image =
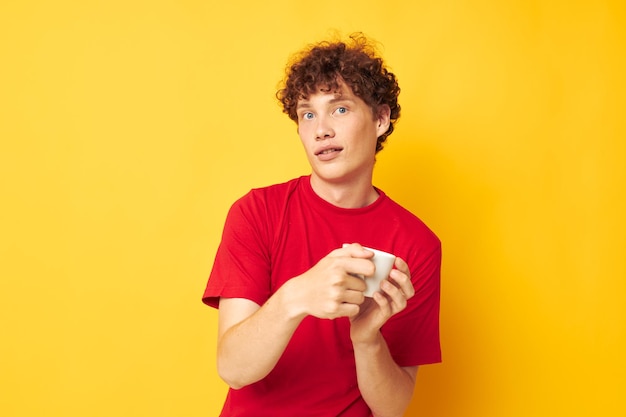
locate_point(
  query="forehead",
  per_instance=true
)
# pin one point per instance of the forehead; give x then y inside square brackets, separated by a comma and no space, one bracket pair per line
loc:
[323,92]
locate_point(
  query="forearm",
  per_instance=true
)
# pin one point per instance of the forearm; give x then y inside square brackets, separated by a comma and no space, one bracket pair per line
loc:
[249,350]
[386,387]
[252,339]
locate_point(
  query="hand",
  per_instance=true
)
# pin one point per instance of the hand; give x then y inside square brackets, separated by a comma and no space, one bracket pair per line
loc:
[329,289]
[396,290]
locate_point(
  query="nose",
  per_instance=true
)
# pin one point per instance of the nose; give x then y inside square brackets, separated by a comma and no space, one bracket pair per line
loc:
[323,129]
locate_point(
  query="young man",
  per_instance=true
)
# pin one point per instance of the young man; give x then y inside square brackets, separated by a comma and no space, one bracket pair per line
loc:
[297,336]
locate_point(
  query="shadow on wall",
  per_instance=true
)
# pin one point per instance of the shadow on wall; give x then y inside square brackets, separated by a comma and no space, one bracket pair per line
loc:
[457,206]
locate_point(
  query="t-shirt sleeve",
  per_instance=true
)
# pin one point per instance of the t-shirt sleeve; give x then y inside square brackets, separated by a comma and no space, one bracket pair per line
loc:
[413,334]
[242,264]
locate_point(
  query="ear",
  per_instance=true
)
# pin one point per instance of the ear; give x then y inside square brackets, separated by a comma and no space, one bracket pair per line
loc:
[383,119]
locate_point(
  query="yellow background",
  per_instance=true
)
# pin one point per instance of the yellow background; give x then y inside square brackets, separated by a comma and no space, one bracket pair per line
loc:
[129,127]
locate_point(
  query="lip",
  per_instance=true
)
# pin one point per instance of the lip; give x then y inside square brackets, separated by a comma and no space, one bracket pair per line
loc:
[328,152]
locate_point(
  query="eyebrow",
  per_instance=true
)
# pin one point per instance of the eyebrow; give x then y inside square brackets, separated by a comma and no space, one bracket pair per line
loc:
[304,104]
[339,99]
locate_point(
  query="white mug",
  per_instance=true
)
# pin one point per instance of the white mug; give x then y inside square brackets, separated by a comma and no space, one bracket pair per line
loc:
[384,263]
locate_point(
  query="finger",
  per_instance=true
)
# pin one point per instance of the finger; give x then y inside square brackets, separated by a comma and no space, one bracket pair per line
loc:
[346,310]
[355,250]
[360,267]
[384,304]
[355,283]
[403,282]
[401,265]
[354,297]
[355,268]
[396,296]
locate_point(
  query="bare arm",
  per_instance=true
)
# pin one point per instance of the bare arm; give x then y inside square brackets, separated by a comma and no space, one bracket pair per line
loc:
[386,387]
[251,338]
[243,327]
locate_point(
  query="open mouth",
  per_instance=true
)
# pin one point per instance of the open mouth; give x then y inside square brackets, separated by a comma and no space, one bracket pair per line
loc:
[327,151]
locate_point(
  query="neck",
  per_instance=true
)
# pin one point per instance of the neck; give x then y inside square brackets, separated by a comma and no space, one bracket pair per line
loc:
[345,194]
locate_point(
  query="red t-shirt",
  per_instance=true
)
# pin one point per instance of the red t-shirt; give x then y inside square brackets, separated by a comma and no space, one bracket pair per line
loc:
[275,233]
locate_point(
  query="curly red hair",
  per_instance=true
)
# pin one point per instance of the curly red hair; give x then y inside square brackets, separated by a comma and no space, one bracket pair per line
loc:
[327,64]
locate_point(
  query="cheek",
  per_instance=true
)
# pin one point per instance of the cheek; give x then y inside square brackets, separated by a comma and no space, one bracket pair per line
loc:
[303,131]
[302,134]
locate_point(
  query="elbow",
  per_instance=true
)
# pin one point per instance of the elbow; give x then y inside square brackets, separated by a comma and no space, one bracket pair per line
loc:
[229,379]
[235,380]
[232,382]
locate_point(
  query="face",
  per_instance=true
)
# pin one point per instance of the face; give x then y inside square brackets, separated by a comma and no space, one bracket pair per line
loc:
[339,133]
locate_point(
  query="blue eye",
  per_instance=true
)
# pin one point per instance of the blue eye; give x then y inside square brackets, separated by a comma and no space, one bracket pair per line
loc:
[342,110]
[307,116]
